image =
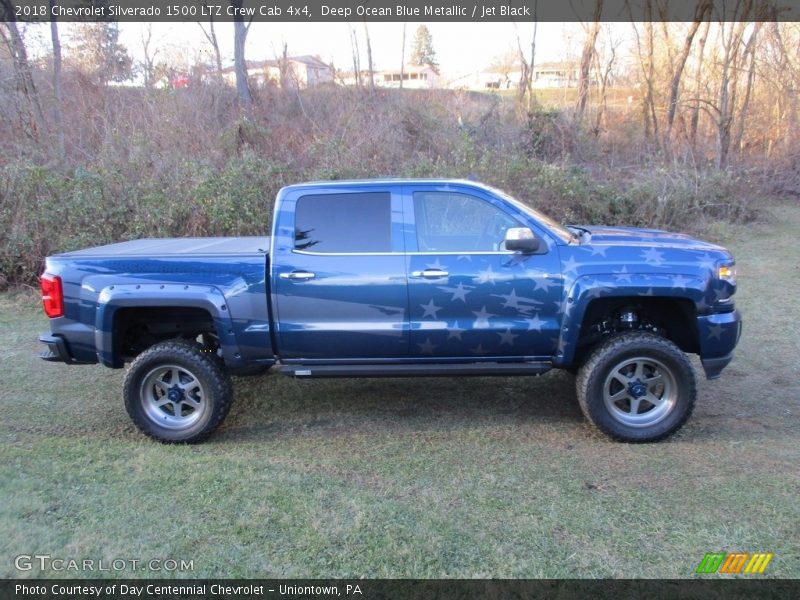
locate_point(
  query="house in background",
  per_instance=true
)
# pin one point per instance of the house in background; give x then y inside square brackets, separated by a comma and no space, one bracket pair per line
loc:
[291,72]
[560,75]
[483,81]
[412,76]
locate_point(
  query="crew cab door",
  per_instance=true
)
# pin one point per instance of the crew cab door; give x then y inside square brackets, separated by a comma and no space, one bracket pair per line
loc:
[338,275]
[468,296]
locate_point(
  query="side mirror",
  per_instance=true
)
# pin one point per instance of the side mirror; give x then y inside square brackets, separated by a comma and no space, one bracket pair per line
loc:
[522,239]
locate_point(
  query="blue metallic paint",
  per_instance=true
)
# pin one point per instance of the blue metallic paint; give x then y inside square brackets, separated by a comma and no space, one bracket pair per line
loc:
[363,308]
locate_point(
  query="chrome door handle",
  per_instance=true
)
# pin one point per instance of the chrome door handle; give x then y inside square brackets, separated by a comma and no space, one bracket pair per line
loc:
[430,273]
[300,275]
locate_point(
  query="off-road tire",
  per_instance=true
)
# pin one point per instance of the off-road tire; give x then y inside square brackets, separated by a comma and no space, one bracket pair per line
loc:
[599,372]
[191,364]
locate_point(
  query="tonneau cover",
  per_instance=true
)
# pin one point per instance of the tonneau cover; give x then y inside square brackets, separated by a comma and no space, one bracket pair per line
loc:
[179,246]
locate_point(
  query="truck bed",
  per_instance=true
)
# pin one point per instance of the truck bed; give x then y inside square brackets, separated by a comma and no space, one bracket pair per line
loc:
[204,246]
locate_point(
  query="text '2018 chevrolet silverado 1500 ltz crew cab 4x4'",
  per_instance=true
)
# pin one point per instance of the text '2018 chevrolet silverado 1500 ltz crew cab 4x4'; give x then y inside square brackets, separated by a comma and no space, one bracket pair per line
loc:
[400,278]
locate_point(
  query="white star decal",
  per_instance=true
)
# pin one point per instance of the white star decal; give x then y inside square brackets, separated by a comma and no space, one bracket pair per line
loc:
[430,309]
[715,332]
[464,257]
[679,282]
[427,347]
[487,276]
[482,318]
[706,262]
[459,293]
[570,266]
[653,257]
[543,283]
[479,350]
[649,292]
[511,300]
[436,265]
[455,332]
[535,324]
[622,275]
[507,337]
[598,250]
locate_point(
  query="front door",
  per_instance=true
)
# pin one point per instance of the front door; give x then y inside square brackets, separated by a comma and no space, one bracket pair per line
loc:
[339,279]
[468,296]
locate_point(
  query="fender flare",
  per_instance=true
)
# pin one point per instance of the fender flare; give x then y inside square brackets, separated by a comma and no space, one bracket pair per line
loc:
[114,297]
[586,288]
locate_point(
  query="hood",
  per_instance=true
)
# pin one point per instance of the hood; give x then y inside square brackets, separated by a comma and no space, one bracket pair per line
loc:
[625,236]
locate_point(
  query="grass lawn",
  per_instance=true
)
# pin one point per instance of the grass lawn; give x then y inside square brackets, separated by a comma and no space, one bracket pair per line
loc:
[489,477]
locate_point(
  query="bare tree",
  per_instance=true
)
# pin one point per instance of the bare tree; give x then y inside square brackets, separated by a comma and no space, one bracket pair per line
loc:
[730,41]
[34,120]
[695,115]
[211,35]
[702,9]
[586,60]
[604,69]
[356,54]
[240,30]
[749,54]
[369,60]
[403,56]
[57,112]
[647,65]
[149,54]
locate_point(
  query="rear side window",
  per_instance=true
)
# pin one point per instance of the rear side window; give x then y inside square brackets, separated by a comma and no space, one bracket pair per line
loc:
[344,223]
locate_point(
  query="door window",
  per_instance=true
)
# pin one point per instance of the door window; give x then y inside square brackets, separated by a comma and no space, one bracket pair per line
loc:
[455,222]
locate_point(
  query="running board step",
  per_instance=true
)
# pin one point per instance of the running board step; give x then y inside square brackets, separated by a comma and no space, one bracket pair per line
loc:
[417,370]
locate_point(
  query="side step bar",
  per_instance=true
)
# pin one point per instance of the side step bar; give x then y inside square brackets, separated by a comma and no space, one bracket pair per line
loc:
[415,370]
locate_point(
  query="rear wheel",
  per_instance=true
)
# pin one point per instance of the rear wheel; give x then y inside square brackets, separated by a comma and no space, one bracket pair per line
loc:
[637,387]
[177,393]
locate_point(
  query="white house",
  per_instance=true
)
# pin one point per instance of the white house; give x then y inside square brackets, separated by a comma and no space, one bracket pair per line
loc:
[412,76]
[294,71]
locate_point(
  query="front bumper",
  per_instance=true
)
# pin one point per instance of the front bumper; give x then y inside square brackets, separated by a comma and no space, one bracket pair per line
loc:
[718,334]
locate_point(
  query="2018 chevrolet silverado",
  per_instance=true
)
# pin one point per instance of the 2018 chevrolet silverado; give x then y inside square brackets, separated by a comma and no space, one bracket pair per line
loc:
[400,278]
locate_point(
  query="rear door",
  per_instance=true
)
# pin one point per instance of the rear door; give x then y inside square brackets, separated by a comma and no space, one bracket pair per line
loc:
[338,275]
[468,296]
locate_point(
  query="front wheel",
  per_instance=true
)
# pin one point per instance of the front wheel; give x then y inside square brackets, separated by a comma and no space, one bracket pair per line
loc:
[176,393]
[637,387]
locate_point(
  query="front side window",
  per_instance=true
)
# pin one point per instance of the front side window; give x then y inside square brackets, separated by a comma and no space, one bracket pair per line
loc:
[456,222]
[344,223]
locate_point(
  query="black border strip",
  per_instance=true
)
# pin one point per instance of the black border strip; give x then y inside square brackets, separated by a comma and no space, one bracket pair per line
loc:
[402,589]
[393,10]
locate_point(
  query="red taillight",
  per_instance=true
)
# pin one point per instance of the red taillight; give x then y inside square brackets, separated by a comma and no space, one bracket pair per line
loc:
[52,296]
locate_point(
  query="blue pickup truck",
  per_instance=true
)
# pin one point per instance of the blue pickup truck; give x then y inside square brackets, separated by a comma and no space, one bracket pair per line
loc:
[394,278]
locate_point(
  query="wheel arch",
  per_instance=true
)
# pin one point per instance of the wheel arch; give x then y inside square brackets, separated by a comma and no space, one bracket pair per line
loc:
[675,308]
[188,304]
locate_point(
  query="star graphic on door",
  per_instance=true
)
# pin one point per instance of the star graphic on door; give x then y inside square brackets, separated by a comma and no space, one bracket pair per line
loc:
[481,318]
[426,347]
[430,309]
[535,324]
[506,337]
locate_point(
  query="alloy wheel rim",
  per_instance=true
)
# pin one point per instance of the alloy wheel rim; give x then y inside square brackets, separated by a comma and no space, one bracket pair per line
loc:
[640,391]
[173,397]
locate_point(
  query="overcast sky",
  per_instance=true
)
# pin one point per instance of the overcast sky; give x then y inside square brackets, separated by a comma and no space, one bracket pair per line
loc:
[460,47]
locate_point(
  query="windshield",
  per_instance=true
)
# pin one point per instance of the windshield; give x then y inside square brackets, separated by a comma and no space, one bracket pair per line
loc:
[554,226]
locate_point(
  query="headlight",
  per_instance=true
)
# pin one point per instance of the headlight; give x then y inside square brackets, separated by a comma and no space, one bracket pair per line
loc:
[727,273]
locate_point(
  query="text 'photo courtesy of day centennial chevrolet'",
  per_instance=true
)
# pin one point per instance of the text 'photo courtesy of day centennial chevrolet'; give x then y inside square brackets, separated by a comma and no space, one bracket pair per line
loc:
[400,278]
